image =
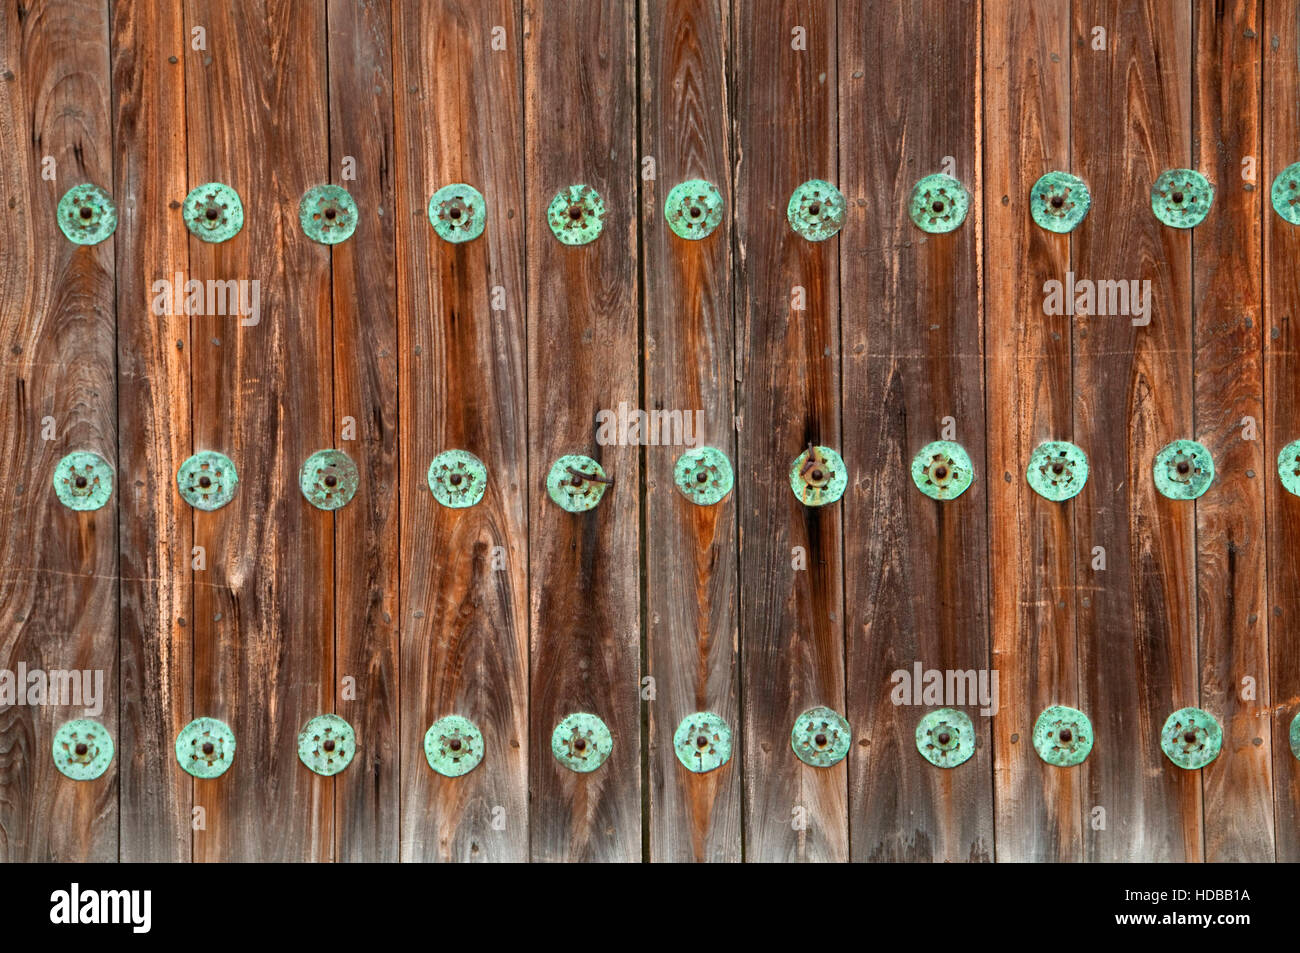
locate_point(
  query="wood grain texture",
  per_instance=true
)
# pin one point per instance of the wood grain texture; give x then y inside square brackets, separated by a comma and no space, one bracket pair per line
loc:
[1281,106]
[1227,302]
[1027,49]
[788,369]
[58,590]
[918,590]
[153,358]
[1131,108]
[580,110]
[262,624]
[366,580]
[464,621]
[691,580]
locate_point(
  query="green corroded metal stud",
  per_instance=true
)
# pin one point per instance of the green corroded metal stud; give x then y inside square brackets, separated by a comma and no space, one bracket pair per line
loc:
[575,214]
[83,749]
[1057,470]
[816,210]
[205,748]
[87,214]
[942,470]
[693,209]
[1063,736]
[702,742]
[939,203]
[328,214]
[1181,198]
[207,480]
[1295,736]
[576,483]
[820,737]
[328,479]
[1191,738]
[946,737]
[1183,470]
[1059,201]
[581,742]
[83,481]
[326,744]
[1288,467]
[1286,193]
[213,212]
[458,212]
[703,475]
[453,746]
[457,478]
[818,476]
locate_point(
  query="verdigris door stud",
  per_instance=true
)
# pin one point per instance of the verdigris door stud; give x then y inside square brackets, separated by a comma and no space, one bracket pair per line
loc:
[1057,470]
[457,478]
[1181,198]
[702,742]
[581,742]
[1288,467]
[703,475]
[818,476]
[693,209]
[1063,736]
[458,213]
[946,737]
[1059,201]
[453,746]
[327,214]
[1191,738]
[1183,470]
[942,470]
[1286,194]
[213,212]
[326,744]
[87,214]
[816,210]
[207,480]
[820,737]
[576,483]
[1294,736]
[328,479]
[939,203]
[576,215]
[83,481]
[205,748]
[83,749]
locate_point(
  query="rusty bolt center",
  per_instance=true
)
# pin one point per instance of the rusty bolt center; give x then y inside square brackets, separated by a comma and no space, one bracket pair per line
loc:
[328,745]
[701,742]
[1057,201]
[81,482]
[1189,736]
[941,471]
[580,745]
[702,477]
[1184,466]
[454,744]
[455,479]
[818,475]
[1178,196]
[211,214]
[944,737]
[937,206]
[208,747]
[331,213]
[331,480]
[81,749]
[205,482]
[575,212]
[1058,468]
[86,212]
[820,741]
[815,208]
[1067,735]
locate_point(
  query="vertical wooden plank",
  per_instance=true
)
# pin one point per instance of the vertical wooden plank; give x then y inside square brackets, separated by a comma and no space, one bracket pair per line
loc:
[262,394]
[918,592]
[791,623]
[1230,539]
[464,571]
[1031,545]
[153,422]
[691,581]
[58,591]
[580,111]
[1133,395]
[1281,109]
[365,389]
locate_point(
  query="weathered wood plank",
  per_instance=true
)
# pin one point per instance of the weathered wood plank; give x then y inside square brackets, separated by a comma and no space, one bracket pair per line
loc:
[58,590]
[910,85]
[464,571]
[262,625]
[365,425]
[1227,268]
[153,349]
[580,111]
[1131,105]
[791,622]
[1027,50]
